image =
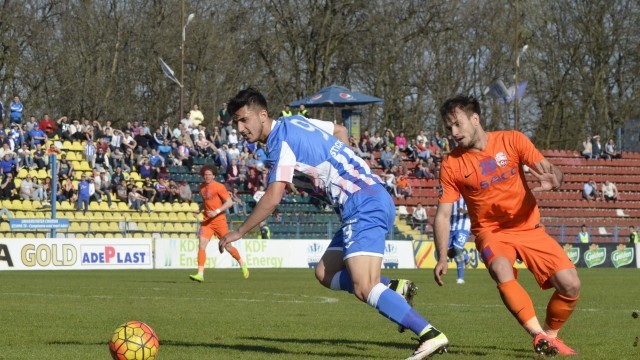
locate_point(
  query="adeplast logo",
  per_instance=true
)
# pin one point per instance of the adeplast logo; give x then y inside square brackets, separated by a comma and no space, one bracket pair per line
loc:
[115,254]
[390,259]
[622,256]
[314,254]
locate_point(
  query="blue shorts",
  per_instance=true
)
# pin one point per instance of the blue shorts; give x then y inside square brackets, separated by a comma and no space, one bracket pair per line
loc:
[457,239]
[367,217]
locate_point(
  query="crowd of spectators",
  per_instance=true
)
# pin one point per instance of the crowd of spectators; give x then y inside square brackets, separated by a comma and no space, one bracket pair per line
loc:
[593,149]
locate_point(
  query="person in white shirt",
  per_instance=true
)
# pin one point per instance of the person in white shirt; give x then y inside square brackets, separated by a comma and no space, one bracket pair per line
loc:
[233,137]
[609,191]
[419,216]
[196,115]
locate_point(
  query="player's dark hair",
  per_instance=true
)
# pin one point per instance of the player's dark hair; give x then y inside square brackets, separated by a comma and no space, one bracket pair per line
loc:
[209,167]
[247,97]
[466,103]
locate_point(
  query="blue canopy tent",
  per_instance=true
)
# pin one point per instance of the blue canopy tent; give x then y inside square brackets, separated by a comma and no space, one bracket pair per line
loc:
[338,96]
[335,95]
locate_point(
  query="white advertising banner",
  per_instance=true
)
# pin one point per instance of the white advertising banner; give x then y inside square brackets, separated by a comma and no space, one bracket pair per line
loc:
[258,253]
[75,254]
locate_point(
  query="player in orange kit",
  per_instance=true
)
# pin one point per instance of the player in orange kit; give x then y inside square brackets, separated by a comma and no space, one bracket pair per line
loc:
[215,201]
[486,168]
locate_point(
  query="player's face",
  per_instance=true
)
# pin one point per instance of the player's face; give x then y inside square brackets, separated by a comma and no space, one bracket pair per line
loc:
[208,176]
[463,128]
[251,123]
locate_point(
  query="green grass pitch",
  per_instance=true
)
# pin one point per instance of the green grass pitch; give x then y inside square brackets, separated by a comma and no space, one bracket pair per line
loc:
[286,314]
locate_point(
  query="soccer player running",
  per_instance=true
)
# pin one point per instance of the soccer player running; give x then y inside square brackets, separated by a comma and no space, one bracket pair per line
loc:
[215,201]
[459,234]
[316,149]
[486,169]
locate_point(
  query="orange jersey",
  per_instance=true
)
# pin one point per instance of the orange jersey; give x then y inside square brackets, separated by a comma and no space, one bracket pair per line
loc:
[213,195]
[493,183]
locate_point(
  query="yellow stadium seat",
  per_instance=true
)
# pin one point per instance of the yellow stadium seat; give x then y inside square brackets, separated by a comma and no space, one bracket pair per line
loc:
[137,235]
[4,226]
[77,146]
[122,206]
[154,227]
[65,206]
[168,227]
[135,176]
[154,216]
[41,235]
[42,173]
[33,173]
[22,173]
[142,226]
[17,183]
[103,206]
[94,206]
[193,207]
[66,145]
[71,156]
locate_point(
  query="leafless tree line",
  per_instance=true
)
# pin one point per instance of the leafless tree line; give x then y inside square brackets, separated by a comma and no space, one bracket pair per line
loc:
[98,59]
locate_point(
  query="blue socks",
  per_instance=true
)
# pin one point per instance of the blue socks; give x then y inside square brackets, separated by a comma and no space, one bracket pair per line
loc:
[388,303]
[393,306]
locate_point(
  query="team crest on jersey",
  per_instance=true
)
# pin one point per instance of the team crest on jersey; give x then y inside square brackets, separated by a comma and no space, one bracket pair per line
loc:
[501,159]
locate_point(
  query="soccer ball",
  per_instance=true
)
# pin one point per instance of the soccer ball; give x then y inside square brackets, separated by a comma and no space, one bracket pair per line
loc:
[134,340]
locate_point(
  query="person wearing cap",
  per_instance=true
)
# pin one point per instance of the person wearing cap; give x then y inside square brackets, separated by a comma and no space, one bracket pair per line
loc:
[128,142]
[84,194]
[596,147]
[63,128]
[37,135]
[74,130]
[15,135]
[233,137]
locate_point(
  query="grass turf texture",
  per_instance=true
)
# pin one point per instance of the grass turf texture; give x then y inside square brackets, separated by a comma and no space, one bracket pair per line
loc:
[285,314]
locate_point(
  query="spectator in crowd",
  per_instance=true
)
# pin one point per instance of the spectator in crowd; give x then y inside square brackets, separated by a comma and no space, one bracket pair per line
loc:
[8,189]
[422,139]
[389,138]
[5,149]
[376,141]
[65,167]
[136,199]
[196,115]
[216,140]
[103,188]
[3,112]
[583,236]
[254,179]
[116,140]
[439,140]
[419,217]
[258,194]
[165,130]
[8,165]
[185,153]
[163,193]
[590,190]
[265,231]
[84,194]
[25,157]
[587,148]
[37,136]
[435,151]
[389,179]
[48,125]
[15,111]
[67,190]
[596,147]
[232,138]
[145,170]
[26,188]
[128,142]
[62,126]
[40,157]
[225,123]
[401,141]
[403,189]
[164,150]
[16,135]
[158,139]
[302,111]
[102,161]
[90,153]
[177,132]
[387,158]
[610,151]
[633,235]
[4,140]
[148,190]
[239,206]
[423,171]
[47,191]
[609,191]
[129,160]
[184,192]
[122,192]
[287,111]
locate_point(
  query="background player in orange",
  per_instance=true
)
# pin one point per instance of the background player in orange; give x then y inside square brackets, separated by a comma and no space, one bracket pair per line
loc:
[215,201]
[486,168]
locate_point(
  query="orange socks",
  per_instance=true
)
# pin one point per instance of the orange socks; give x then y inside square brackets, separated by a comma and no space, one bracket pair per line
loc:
[517,300]
[202,258]
[559,309]
[236,255]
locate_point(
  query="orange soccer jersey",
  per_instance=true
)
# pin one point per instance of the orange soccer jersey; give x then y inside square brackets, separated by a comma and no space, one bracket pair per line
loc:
[493,183]
[213,195]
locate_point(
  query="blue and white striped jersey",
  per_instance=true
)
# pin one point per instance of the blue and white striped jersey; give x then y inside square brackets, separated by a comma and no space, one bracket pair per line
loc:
[460,220]
[301,146]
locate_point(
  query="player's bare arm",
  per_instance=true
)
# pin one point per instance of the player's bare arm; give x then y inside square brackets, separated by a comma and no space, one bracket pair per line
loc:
[549,175]
[441,231]
[340,132]
[263,209]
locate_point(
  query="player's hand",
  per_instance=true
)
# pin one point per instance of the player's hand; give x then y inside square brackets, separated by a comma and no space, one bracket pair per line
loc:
[227,239]
[543,171]
[195,214]
[439,271]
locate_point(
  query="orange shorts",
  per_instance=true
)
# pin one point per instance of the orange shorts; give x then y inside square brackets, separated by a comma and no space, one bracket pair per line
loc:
[539,252]
[211,227]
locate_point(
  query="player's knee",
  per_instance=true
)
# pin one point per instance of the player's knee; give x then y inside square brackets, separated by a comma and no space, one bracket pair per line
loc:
[323,278]
[571,288]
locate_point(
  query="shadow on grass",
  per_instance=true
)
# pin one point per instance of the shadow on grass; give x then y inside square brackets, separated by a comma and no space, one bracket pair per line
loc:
[354,343]
[255,348]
